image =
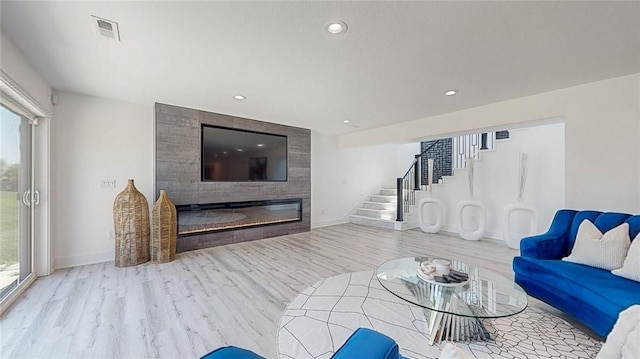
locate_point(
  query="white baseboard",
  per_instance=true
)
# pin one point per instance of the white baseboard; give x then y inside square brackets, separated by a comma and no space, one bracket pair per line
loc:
[449,230]
[454,232]
[84,259]
[493,235]
[330,222]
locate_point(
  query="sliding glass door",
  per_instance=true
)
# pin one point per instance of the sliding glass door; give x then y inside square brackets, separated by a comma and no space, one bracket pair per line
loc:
[17,200]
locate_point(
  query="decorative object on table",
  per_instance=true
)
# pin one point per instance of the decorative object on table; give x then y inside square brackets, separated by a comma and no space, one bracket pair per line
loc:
[513,240]
[429,201]
[131,224]
[426,270]
[471,235]
[320,318]
[439,272]
[443,266]
[165,229]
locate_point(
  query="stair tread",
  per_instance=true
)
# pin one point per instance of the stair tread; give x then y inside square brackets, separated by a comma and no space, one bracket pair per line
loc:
[370,218]
[375,209]
[383,195]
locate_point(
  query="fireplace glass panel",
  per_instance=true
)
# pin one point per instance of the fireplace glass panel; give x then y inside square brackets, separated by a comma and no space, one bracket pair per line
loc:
[202,218]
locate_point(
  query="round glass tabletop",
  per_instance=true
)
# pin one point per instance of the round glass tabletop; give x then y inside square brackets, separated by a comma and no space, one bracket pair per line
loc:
[487,294]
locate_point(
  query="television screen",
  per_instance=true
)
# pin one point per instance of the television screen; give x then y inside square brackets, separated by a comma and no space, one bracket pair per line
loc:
[239,155]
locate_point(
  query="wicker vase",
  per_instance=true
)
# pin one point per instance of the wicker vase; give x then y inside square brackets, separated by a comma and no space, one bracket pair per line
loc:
[164,232]
[131,221]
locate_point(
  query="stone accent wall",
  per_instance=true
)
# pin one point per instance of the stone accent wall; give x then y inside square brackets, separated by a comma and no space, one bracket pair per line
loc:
[177,157]
[442,159]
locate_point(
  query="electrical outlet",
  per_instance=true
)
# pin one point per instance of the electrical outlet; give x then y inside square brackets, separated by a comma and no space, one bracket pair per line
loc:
[107,184]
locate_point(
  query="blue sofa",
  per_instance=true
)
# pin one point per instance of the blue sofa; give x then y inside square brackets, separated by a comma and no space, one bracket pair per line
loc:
[591,295]
[363,343]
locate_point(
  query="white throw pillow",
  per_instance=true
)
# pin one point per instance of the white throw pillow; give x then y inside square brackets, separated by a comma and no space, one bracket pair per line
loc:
[624,340]
[606,251]
[631,267]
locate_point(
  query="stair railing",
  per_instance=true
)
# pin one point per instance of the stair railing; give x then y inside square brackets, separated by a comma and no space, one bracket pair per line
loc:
[407,185]
[469,146]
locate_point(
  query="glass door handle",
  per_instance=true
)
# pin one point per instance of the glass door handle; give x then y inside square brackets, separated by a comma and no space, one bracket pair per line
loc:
[26,198]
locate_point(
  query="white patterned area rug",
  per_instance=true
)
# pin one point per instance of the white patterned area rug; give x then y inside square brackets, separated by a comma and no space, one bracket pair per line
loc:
[318,321]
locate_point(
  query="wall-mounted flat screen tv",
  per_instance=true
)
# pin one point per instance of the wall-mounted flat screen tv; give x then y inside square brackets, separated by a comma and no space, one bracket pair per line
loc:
[239,155]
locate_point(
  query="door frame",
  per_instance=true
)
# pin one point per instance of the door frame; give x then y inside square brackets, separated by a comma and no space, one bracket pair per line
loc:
[18,100]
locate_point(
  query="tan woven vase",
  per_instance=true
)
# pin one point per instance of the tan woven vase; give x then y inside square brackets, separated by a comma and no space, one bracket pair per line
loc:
[164,232]
[131,221]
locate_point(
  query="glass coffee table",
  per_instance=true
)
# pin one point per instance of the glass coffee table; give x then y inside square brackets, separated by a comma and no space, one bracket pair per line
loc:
[454,312]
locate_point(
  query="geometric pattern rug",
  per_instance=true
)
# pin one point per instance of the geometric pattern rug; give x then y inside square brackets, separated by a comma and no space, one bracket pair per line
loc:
[318,321]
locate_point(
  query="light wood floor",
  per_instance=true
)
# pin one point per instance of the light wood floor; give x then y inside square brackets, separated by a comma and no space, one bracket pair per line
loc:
[230,295]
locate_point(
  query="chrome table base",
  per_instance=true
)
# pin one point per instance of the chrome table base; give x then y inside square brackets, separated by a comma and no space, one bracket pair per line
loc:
[450,327]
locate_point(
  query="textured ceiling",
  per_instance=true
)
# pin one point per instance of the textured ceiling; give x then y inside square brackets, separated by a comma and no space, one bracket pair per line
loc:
[392,65]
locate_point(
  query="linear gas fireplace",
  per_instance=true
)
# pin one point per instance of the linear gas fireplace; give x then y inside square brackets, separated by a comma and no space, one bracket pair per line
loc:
[195,219]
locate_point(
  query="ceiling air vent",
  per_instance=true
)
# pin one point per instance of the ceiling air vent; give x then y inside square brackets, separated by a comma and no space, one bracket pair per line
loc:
[106,28]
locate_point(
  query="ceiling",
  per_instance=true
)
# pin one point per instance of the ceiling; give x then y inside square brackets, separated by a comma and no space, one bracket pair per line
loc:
[392,65]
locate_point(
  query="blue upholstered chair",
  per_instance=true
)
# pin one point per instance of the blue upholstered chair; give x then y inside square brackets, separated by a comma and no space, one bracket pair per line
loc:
[363,343]
[232,353]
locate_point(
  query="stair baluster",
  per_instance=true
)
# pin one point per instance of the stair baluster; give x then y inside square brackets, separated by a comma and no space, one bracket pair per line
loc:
[407,186]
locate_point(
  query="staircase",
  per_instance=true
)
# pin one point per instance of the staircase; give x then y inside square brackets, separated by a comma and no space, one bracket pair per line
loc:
[380,211]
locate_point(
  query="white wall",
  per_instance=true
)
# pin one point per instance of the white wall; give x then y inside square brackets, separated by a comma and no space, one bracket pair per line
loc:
[405,154]
[342,178]
[602,125]
[16,66]
[101,139]
[603,145]
[95,139]
[496,181]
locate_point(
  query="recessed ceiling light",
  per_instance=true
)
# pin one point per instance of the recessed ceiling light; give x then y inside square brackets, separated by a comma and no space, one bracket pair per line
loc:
[336,27]
[346,121]
[450,93]
[239,149]
[260,145]
[240,97]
